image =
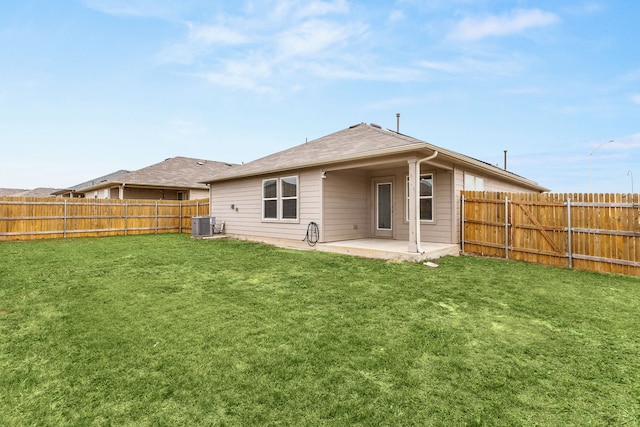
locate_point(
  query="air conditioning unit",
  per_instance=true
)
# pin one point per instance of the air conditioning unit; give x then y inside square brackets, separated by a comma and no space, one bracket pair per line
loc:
[202,226]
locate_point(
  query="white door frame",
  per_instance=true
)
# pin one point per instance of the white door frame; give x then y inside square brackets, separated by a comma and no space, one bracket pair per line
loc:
[378,183]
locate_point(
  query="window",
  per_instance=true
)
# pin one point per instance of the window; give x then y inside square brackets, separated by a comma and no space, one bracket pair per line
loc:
[270,199]
[426,197]
[280,198]
[289,193]
[473,183]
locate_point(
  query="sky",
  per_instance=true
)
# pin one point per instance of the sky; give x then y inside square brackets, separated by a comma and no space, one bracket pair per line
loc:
[89,87]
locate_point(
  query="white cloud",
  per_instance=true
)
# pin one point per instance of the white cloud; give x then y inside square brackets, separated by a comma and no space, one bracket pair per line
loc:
[315,36]
[165,9]
[215,34]
[395,17]
[362,72]
[636,98]
[514,22]
[320,8]
[526,90]
[449,67]
[495,66]
[626,142]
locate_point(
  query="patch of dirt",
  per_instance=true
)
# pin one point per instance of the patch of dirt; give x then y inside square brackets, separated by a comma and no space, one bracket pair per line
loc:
[4,312]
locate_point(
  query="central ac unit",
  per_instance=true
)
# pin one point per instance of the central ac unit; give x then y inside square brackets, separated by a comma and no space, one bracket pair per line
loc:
[202,225]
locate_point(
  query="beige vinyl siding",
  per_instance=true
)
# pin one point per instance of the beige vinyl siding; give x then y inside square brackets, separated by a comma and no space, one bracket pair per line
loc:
[346,205]
[150,193]
[490,184]
[245,195]
[144,193]
[438,231]
[199,194]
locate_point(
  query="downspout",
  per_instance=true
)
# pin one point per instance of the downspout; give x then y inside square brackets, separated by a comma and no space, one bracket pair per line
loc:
[417,195]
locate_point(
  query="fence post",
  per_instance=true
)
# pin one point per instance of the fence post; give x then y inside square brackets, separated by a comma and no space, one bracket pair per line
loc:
[126,217]
[157,218]
[64,221]
[180,218]
[506,227]
[569,232]
[462,225]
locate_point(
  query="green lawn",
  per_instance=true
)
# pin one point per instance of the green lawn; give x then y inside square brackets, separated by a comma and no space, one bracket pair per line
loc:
[168,330]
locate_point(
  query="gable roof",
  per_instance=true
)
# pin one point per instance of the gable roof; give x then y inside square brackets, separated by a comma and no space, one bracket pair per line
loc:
[174,172]
[10,191]
[105,178]
[34,192]
[37,192]
[357,142]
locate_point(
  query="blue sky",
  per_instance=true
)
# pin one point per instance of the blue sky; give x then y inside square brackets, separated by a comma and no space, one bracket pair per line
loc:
[88,87]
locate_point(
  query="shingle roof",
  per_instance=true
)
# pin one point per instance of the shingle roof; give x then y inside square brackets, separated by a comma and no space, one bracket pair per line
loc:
[354,143]
[96,181]
[175,172]
[36,192]
[10,191]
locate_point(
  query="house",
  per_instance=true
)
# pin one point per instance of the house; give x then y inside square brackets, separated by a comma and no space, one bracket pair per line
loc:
[361,182]
[74,191]
[35,192]
[176,178]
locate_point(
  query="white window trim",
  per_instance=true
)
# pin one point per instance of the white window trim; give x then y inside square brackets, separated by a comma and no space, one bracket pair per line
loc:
[264,199]
[296,198]
[432,197]
[280,200]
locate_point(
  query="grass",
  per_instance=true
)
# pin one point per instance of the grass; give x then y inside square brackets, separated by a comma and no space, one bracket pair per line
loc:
[167,330]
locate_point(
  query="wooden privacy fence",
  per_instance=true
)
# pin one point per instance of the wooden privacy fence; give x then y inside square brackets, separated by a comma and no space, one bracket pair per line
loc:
[23,218]
[598,232]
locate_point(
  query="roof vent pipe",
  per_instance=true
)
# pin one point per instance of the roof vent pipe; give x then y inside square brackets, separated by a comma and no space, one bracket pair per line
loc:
[397,122]
[505,159]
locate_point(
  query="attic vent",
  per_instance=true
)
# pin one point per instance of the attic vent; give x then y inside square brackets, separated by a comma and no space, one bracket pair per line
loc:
[356,125]
[201,163]
[376,126]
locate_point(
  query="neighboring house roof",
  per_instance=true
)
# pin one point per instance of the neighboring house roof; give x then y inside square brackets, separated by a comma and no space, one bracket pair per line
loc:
[10,191]
[96,181]
[357,142]
[175,172]
[36,192]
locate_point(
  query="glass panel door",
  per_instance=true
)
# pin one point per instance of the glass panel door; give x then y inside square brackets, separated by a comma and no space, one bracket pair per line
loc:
[384,211]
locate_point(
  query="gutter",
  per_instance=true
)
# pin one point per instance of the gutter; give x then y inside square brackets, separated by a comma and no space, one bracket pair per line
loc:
[417,195]
[419,146]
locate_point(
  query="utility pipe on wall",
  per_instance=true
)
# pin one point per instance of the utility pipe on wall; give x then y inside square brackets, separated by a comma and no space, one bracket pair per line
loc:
[417,195]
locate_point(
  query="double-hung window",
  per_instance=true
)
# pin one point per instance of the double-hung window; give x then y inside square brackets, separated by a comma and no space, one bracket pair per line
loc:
[426,197]
[280,198]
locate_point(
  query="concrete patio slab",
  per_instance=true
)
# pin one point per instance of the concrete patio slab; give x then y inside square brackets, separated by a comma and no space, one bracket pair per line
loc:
[386,249]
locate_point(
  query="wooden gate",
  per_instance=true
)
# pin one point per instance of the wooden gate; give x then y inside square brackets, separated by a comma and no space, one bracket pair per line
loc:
[592,232]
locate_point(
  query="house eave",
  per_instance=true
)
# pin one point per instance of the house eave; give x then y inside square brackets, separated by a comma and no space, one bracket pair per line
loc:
[140,185]
[326,162]
[421,147]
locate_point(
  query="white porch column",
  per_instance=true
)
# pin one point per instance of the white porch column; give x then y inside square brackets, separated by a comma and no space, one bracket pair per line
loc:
[121,192]
[413,242]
